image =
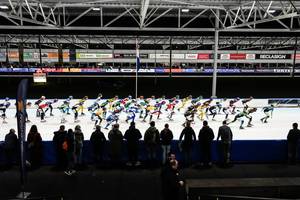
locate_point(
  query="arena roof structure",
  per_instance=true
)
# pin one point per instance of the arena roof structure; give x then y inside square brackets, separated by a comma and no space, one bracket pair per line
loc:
[158,16]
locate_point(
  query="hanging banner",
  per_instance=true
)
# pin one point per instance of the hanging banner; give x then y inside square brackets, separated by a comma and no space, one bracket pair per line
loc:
[238,56]
[93,55]
[250,56]
[191,56]
[2,56]
[203,56]
[130,56]
[225,56]
[273,56]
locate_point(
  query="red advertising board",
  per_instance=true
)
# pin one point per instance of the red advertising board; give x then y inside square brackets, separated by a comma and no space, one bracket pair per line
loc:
[203,56]
[238,56]
[297,56]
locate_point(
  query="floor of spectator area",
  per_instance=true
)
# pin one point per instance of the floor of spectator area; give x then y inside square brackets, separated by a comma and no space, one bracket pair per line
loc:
[276,128]
[134,184]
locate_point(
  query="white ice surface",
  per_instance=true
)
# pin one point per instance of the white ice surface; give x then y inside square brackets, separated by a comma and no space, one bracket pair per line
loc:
[276,129]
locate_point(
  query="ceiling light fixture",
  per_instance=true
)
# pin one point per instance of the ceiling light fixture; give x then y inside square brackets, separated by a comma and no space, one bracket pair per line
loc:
[96,9]
[3,7]
[185,10]
[271,11]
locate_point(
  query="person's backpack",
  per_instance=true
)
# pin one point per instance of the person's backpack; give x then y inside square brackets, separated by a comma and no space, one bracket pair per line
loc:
[78,138]
[65,145]
[150,135]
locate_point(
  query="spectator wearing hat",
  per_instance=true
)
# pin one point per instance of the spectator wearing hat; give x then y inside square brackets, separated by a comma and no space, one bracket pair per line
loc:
[132,136]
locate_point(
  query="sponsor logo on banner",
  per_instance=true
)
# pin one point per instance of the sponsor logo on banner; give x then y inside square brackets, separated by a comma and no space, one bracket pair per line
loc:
[13,54]
[90,70]
[247,70]
[250,56]
[273,56]
[282,70]
[161,56]
[223,70]
[93,56]
[238,56]
[112,70]
[132,55]
[75,70]
[191,56]
[166,56]
[203,56]
[297,56]
[178,56]
[225,56]
[264,70]
[160,70]
[2,56]
[147,70]
[128,70]
[189,70]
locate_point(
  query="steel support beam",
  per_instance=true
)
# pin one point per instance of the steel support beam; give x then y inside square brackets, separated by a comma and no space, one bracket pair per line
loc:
[216,45]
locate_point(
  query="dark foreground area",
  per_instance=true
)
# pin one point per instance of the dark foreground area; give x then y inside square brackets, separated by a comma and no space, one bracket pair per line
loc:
[135,184]
[258,87]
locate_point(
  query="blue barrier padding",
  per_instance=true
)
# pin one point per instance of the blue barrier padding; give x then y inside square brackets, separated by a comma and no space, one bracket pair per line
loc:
[252,151]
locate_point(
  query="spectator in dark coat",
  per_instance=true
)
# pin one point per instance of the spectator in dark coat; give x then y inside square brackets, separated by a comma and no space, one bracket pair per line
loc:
[34,141]
[98,142]
[151,140]
[205,137]
[225,134]
[116,141]
[58,139]
[188,135]
[166,137]
[79,138]
[172,183]
[69,147]
[133,135]
[10,147]
[292,142]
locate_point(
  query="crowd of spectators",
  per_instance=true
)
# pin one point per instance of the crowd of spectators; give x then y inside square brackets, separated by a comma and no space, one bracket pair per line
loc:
[68,146]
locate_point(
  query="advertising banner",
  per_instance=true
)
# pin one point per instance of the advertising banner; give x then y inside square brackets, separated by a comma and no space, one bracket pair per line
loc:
[238,56]
[273,56]
[2,56]
[166,56]
[203,56]
[224,56]
[250,56]
[93,55]
[130,56]
[191,56]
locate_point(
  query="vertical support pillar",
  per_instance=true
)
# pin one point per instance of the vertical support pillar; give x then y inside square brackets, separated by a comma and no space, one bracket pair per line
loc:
[216,46]
[40,50]
[170,67]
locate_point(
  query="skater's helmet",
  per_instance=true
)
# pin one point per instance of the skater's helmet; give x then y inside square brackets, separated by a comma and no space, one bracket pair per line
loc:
[6,98]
